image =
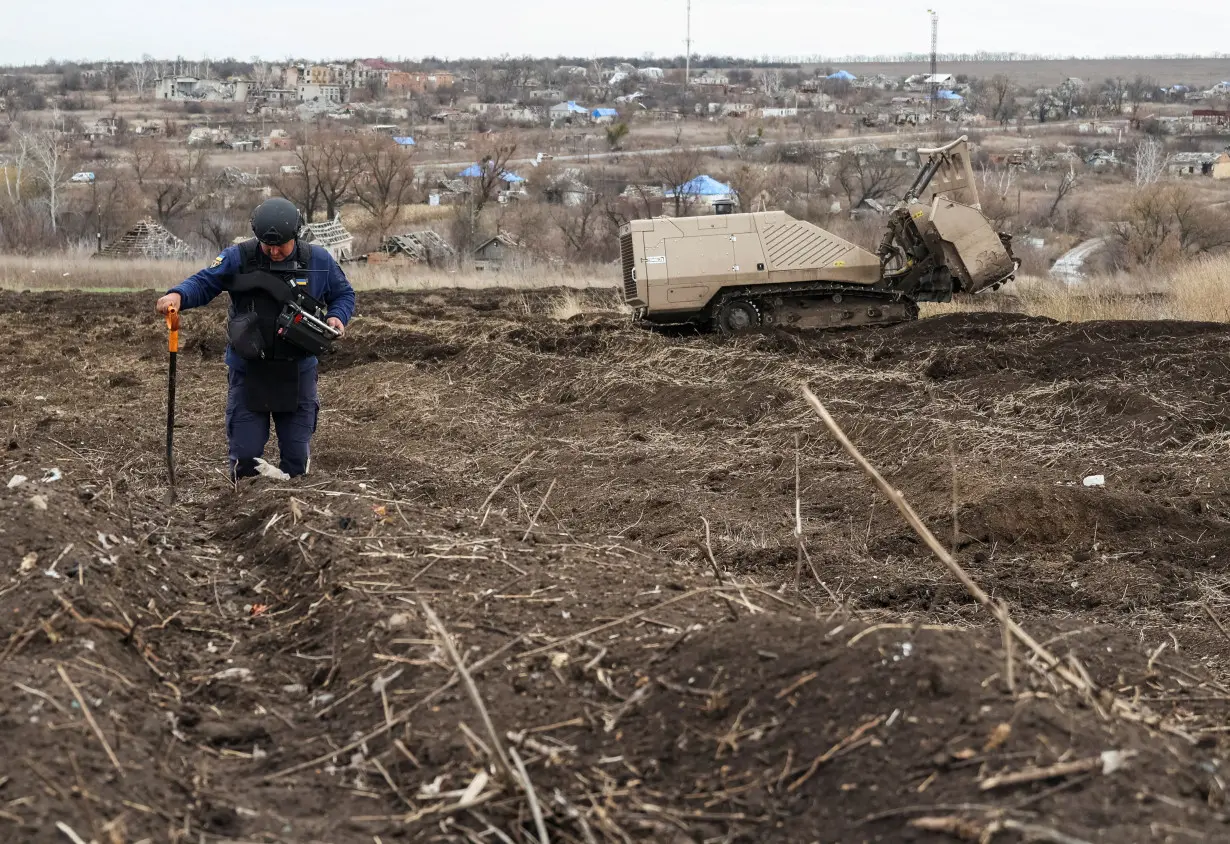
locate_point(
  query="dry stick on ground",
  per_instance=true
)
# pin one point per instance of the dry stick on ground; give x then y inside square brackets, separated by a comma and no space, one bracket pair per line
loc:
[68,831]
[1204,605]
[532,797]
[538,512]
[89,717]
[846,742]
[717,572]
[1034,832]
[976,591]
[503,481]
[798,519]
[497,747]
[1009,675]
[1061,769]
[624,620]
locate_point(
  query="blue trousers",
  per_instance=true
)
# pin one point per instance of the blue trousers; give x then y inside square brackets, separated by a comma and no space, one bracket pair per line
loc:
[247,432]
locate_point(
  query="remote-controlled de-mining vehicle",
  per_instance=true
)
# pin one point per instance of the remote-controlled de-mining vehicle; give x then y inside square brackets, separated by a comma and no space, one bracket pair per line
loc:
[740,272]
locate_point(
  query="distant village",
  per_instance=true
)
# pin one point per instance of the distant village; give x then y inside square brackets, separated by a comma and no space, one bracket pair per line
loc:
[181,146]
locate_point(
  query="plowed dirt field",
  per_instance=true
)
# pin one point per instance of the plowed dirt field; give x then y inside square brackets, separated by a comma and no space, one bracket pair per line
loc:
[261,664]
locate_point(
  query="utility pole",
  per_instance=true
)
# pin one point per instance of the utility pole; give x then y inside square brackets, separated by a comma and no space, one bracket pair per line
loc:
[687,72]
[97,212]
[935,44]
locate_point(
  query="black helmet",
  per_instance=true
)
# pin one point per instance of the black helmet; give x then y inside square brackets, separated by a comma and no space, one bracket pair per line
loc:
[276,221]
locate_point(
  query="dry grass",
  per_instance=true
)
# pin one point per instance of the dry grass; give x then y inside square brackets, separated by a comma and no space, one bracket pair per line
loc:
[63,272]
[66,272]
[527,277]
[1195,291]
[571,304]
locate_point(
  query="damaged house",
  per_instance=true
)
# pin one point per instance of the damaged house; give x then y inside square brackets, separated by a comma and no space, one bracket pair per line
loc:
[331,235]
[148,240]
[423,247]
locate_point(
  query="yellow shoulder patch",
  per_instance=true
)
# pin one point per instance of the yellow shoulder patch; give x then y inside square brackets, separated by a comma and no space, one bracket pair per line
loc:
[217,262]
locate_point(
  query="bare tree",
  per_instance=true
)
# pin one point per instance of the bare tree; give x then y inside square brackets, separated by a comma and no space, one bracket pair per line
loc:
[299,184]
[1001,99]
[674,170]
[141,74]
[334,161]
[175,183]
[1150,161]
[864,177]
[742,138]
[1145,232]
[1139,91]
[750,181]
[49,152]
[492,172]
[385,182]
[1066,185]
[1200,227]
[23,149]
[145,158]
[820,167]
[996,191]
[582,226]
[261,72]
[217,228]
[1114,93]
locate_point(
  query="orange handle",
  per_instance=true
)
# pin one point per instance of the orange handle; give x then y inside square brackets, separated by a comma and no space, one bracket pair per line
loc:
[173,328]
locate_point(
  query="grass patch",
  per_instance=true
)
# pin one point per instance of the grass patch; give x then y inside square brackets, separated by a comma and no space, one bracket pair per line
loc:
[1196,291]
[67,272]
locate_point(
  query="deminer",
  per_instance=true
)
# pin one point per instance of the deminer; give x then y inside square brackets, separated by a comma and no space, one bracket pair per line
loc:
[289,302]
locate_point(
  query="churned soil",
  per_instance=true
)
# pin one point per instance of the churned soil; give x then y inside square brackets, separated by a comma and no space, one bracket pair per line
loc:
[599,523]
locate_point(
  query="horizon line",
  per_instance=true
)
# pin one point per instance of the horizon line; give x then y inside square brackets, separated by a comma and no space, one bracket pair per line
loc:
[983,56]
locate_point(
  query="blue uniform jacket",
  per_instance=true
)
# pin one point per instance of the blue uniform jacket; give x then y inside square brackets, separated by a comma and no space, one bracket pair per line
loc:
[326,282]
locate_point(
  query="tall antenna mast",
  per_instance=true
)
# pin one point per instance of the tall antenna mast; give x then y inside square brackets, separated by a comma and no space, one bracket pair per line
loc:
[687,73]
[935,46]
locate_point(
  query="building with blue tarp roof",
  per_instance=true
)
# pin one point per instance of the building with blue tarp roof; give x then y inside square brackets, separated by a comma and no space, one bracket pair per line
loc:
[476,171]
[564,111]
[702,186]
[844,75]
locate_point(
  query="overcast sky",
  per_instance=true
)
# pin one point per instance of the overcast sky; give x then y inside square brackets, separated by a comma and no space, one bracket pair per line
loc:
[274,29]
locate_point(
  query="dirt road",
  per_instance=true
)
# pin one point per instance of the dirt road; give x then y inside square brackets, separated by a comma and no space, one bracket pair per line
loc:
[261,664]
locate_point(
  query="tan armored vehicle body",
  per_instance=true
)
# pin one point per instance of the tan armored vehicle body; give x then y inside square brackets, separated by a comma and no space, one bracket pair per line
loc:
[736,272]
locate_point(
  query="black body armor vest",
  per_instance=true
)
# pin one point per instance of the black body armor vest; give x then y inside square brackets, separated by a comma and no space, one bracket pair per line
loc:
[260,291]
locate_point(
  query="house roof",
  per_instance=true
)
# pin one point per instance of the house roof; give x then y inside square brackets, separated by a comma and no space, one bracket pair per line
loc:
[572,107]
[643,192]
[605,112]
[148,239]
[843,74]
[425,246]
[328,233]
[405,142]
[475,171]
[452,186]
[702,186]
[503,238]
[1192,157]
